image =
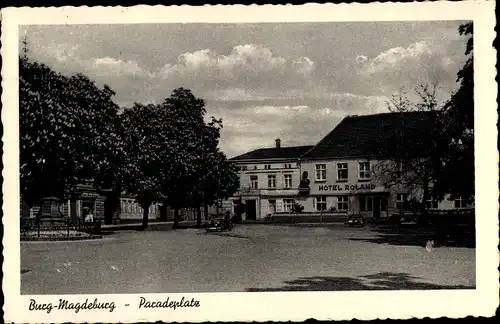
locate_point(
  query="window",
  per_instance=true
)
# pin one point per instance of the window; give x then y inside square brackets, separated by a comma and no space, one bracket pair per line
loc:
[243,168]
[288,180]
[320,172]
[401,200]
[288,166]
[432,203]
[267,166]
[254,182]
[271,181]
[364,170]
[272,206]
[342,171]
[288,205]
[342,203]
[321,203]
[255,167]
[461,203]
[366,203]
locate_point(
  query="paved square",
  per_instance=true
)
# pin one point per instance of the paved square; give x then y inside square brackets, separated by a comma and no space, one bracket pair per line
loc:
[250,258]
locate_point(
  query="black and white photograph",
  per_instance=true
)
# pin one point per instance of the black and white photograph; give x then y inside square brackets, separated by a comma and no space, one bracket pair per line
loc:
[162,168]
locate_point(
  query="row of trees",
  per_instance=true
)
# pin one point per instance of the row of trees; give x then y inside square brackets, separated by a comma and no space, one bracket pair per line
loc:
[72,133]
[442,162]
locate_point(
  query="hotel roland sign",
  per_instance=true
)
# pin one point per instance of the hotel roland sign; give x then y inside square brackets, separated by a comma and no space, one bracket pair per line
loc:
[347,187]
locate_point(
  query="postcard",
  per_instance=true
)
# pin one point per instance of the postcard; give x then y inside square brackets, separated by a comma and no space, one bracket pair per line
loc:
[250,163]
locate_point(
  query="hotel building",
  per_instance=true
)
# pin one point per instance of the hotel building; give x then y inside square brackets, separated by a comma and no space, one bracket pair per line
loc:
[337,175]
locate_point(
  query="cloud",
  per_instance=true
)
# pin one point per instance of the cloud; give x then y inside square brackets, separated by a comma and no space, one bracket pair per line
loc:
[68,56]
[394,58]
[108,66]
[398,68]
[245,66]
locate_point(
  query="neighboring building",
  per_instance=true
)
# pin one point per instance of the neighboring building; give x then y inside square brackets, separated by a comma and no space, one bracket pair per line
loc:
[341,165]
[131,210]
[269,180]
[93,200]
[126,210]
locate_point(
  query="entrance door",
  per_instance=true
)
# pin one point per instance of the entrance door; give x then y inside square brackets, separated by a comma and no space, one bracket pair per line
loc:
[251,209]
[376,207]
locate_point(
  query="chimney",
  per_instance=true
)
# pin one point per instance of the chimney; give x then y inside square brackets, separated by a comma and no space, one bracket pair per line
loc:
[278,143]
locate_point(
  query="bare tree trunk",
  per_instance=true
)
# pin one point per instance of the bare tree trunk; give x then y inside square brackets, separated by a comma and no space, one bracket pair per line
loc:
[163,212]
[205,211]
[422,217]
[176,218]
[73,210]
[198,216]
[145,217]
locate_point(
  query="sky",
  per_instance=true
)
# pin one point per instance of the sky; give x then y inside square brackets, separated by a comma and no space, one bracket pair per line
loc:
[293,81]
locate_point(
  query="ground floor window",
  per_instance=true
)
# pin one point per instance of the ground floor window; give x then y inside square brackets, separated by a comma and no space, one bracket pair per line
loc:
[321,203]
[401,201]
[342,203]
[432,203]
[288,205]
[272,206]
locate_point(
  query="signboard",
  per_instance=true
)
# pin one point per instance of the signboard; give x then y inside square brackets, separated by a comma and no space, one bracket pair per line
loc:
[347,187]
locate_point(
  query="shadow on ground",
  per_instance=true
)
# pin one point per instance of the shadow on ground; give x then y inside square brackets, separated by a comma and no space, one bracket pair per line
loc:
[224,234]
[413,236]
[379,281]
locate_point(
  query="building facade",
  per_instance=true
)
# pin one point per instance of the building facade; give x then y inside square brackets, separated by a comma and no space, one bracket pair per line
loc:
[269,180]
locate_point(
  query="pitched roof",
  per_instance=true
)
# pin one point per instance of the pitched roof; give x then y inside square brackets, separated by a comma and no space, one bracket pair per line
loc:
[375,135]
[289,152]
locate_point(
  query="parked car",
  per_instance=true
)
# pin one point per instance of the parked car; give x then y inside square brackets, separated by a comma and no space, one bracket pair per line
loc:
[215,224]
[219,224]
[355,220]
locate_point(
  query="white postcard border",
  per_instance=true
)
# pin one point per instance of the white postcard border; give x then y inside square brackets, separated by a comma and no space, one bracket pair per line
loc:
[278,306]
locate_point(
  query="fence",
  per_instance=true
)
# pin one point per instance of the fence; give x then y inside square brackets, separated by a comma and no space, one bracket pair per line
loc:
[60,228]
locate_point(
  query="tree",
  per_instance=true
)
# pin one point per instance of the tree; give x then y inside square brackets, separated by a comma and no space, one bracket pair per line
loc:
[414,159]
[68,132]
[197,172]
[221,182]
[457,177]
[184,114]
[148,147]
